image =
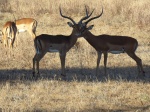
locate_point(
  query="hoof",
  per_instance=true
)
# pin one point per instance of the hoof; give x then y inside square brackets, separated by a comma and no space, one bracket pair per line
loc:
[33,73]
[63,75]
[35,77]
[144,73]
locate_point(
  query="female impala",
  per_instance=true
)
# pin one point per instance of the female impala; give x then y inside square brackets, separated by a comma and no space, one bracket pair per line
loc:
[9,34]
[110,44]
[26,24]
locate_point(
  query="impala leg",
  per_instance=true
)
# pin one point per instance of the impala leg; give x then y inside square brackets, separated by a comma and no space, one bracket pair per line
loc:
[9,46]
[32,33]
[16,39]
[5,43]
[36,61]
[9,43]
[62,59]
[98,61]
[5,40]
[138,61]
[34,25]
[13,39]
[35,65]
[105,61]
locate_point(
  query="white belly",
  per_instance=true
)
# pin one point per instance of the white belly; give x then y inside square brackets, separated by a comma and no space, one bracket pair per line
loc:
[21,30]
[116,52]
[53,50]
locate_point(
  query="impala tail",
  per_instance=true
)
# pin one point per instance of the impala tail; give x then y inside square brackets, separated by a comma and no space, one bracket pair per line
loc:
[13,31]
[11,36]
[37,45]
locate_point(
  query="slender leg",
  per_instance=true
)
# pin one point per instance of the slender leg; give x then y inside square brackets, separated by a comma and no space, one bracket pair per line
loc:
[5,40]
[9,46]
[12,42]
[36,61]
[38,73]
[35,66]
[98,61]
[13,36]
[105,61]
[34,25]
[16,38]
[32,34]
[138,61]
[62,59]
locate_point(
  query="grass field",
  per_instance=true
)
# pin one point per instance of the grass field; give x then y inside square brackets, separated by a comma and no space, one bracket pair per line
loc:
[81,90]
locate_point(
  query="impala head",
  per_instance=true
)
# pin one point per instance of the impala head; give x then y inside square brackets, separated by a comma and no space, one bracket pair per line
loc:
[76,27]
[83,25]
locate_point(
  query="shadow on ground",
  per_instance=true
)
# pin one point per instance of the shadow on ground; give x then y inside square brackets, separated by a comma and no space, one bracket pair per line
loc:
[78,74]
[129,108]
[102,109]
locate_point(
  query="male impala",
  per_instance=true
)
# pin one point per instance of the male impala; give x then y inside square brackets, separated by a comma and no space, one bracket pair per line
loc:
[110,44]
[27,24]
[9,34]
[54,43]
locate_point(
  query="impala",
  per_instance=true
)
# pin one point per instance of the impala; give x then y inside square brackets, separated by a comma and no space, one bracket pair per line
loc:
[55,43]
[26,24]
[110,44]
[9,34]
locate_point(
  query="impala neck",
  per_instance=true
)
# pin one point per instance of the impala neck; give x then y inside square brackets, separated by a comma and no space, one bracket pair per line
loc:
[73,39]
[92,40]
[89,36]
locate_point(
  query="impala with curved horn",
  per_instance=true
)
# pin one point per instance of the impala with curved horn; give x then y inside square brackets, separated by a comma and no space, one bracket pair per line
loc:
[55,43]
[110,44]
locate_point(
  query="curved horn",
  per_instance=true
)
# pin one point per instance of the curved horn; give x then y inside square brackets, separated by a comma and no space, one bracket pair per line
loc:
[66,16]
[87,16]
[94,17]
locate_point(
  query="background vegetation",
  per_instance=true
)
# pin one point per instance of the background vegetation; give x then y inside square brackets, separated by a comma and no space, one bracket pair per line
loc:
[81,90]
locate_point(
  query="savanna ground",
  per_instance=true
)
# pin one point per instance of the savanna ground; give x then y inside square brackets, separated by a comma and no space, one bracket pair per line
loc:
[119,91]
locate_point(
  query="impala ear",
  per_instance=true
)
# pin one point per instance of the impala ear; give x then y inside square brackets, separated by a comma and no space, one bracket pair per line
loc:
[70,24]
[90,27]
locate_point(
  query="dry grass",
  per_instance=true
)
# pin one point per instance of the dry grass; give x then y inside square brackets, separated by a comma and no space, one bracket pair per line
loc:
[80,91]
[52,95]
